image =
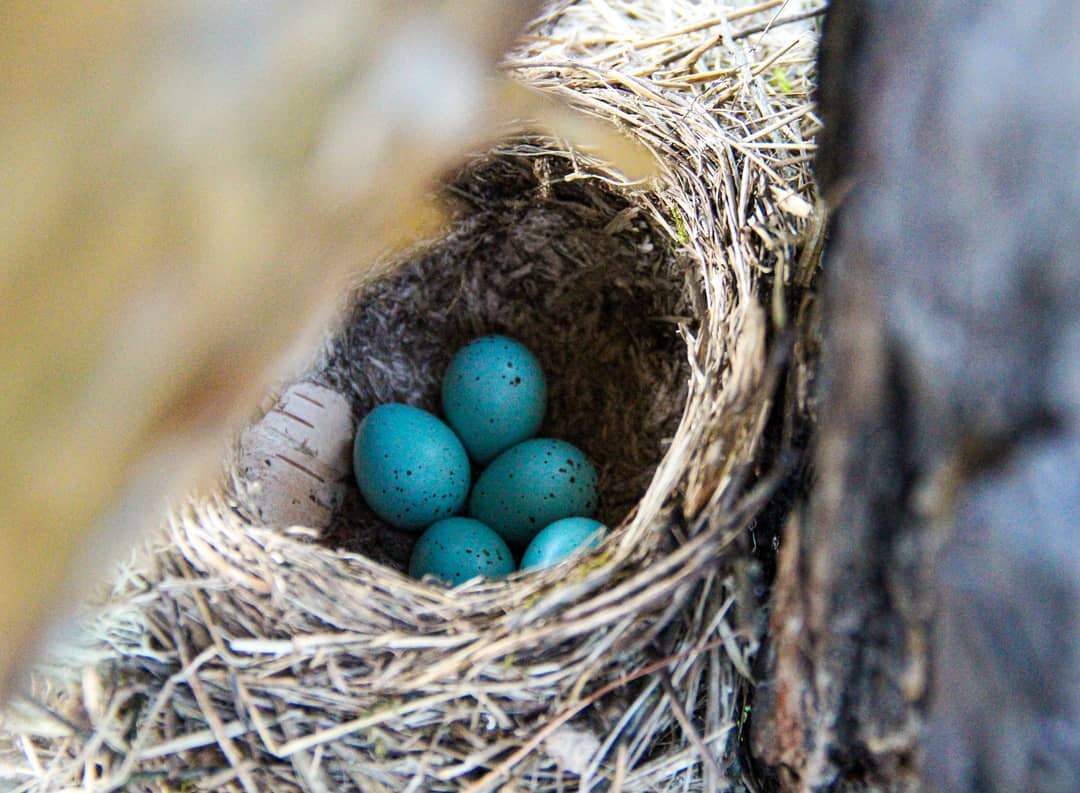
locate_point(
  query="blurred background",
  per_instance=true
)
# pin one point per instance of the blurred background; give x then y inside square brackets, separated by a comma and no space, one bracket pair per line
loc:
[185,187]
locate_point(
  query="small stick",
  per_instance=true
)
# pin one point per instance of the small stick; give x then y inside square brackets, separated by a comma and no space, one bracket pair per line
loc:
[492,778]
[719,777]
[709,23]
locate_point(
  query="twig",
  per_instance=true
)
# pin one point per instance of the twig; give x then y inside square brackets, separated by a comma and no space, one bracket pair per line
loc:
[719,777]
[496,774]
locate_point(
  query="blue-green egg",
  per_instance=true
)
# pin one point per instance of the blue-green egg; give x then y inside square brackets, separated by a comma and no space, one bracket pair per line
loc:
[531,485]
[560,539]
[456,550]
[411,467]
[493,395]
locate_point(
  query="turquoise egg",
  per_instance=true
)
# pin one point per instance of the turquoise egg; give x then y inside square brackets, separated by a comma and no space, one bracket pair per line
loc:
[493,395]
[559,540]
[455,550]
[531,485]
[411,467]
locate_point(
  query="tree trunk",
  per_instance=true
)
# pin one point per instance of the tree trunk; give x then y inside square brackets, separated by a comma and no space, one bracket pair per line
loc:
[924,624]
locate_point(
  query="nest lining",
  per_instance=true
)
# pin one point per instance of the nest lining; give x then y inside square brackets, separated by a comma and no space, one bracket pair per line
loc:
[236,656]
[569,268]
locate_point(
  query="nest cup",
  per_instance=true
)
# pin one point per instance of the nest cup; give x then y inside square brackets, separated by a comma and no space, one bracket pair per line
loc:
[571,269]
[247,656]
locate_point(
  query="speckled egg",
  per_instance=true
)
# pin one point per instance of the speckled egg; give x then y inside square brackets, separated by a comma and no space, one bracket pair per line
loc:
[560,539]
[411,467]
[456,550]
[493,395]
[531,485]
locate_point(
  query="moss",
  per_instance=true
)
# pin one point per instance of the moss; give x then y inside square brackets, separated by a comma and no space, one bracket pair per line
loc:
[780,81]
[681,234]
[590,564]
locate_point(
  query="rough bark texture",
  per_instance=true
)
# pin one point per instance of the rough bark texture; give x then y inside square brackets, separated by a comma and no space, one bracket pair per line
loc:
[925,624]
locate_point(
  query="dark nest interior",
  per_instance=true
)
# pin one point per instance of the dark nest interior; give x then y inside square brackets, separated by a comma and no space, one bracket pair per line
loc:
[570,269]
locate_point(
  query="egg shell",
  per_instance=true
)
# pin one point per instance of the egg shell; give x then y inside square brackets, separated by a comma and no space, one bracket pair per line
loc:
[493,395]
[561,539]
[456,550]
[411,468]
[296,460]
[531,485]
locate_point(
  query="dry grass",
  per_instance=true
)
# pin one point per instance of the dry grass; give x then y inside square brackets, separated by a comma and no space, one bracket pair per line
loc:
[240,657]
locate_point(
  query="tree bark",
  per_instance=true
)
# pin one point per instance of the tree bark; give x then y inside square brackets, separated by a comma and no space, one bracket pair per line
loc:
[925,627]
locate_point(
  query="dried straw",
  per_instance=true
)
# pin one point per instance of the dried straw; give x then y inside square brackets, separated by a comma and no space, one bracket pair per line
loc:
[234,656]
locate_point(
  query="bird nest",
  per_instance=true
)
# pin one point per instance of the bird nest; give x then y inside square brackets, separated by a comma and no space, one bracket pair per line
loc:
[670,319]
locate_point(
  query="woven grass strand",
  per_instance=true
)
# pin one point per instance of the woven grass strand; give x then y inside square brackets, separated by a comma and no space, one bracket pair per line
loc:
[234,656]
